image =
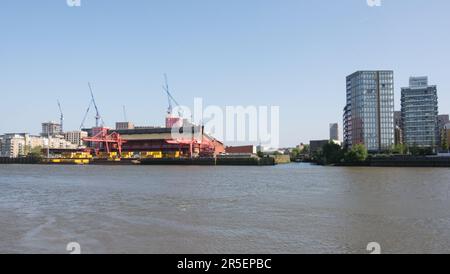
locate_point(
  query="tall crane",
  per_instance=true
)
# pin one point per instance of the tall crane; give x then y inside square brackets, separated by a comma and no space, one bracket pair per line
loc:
[61,118]
[86,114]
[170,98]
[97,115]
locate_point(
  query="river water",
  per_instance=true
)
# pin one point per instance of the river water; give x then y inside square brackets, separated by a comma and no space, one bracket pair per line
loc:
[295,208]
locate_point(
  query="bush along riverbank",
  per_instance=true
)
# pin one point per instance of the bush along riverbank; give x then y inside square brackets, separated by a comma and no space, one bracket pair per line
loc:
[333,155]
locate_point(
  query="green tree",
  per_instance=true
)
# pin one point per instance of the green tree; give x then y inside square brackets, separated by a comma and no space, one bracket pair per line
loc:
[260,154]
[400,149]
[295,153]
[358,153]
[36,152]
[421,151]
[414,150]
[332,153]
[305,150]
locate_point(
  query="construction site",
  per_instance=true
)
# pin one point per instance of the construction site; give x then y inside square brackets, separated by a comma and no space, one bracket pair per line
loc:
[127,144]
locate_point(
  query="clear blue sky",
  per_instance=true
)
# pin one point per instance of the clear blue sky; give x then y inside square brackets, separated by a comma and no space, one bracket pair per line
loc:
[291,53]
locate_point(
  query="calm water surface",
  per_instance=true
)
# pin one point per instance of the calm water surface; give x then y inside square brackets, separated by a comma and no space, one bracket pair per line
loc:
[284,209]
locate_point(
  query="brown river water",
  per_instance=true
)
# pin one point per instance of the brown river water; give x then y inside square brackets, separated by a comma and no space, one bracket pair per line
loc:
[295,208]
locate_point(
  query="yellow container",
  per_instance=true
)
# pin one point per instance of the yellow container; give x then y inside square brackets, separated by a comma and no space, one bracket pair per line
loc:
[175,154]
[76,155]
[127,155]
[81,162]
[106,155]
[152,154]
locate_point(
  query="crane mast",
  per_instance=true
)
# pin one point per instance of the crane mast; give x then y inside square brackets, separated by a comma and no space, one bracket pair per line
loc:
[97,113]
[61,118]
[170,98]
[92,102]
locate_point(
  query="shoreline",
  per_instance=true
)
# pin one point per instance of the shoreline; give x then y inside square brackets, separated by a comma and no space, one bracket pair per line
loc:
[403,161]
[266,161]
[393,161]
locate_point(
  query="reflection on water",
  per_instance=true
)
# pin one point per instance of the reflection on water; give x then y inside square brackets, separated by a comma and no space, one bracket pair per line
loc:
[283,209]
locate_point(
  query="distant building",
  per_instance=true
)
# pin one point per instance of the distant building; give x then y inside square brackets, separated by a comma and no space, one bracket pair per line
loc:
[50,129]
[398,118]
[315,146]
[398,127]
[241,149]
[398,135]
[58,142]
[443,120]
[334,131]
[420,113]
[75,137]
[369,111]
[173,121]
[13,145]
[124,125]
[446,134]
[301,147]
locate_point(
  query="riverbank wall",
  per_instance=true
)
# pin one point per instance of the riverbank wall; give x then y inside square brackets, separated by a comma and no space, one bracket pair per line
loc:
[403,161]
[238,161]
[410,161]
[25,160]
[253,161]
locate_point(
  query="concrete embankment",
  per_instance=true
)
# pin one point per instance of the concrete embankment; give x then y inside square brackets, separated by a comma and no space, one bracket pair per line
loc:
[211,161]
[251,161]
[411,162]
[24,160]
[403,161]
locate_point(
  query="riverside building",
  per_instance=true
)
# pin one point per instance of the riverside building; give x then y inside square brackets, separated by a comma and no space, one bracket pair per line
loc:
[420,113]
[369,110]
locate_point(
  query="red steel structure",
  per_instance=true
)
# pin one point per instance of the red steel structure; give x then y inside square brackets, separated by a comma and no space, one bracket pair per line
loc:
[205,147]
[109,141]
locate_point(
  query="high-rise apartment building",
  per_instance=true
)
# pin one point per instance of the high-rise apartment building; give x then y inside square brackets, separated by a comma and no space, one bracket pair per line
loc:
[124,125]
[75,137]
[334,132]
[420,113]
[12,145]
[443,120]
[369,111]
[50,129]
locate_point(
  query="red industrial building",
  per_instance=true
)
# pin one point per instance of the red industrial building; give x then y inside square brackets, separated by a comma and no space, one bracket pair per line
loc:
[161,139]
[129,139]
[241,150]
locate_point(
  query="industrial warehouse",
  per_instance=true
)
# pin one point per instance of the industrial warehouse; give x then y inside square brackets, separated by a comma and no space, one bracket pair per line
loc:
[178,142]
